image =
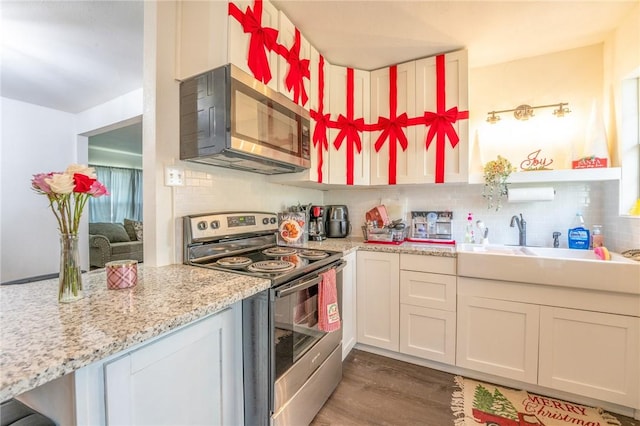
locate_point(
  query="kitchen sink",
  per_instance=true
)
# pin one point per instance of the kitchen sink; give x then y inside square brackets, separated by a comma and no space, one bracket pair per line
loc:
[549,266]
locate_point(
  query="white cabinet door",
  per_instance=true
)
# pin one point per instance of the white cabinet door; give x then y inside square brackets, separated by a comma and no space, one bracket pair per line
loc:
[208,37]
[287,38]
[454,80]
[186,378]
[346,161]
[238,40]
[428,333]
[498,337]
[201,37]
[381,103]
[349,308]
[378,301]
[591,354]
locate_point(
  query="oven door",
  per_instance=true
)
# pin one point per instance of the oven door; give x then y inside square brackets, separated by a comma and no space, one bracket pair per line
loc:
[301,347]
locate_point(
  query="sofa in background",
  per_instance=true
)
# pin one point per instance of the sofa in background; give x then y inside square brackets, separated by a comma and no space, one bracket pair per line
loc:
[115,241]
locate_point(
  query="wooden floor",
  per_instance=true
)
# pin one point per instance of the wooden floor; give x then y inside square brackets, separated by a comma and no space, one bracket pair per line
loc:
[377,390]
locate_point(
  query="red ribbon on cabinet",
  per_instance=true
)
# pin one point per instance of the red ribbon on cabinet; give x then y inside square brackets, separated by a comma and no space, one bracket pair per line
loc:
[441,122]
[322,121]
[349,128]
[298,70]
[392,127]
[261,40]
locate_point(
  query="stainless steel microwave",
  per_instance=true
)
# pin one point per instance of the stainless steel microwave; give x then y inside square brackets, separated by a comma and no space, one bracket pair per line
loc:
[230,119]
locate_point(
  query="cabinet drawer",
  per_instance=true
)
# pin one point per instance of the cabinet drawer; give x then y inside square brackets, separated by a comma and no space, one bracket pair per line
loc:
[434,264]
[428,290]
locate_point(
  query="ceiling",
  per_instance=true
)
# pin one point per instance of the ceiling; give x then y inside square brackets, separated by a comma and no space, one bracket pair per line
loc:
[72,55]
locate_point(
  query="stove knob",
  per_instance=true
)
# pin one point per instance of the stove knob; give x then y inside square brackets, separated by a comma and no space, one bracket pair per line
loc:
[215,224]
[265,221]
[202,225]
[272,220]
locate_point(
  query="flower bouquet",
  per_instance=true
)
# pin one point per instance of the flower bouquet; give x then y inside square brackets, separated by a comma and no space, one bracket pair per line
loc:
[68,193]
[496,173]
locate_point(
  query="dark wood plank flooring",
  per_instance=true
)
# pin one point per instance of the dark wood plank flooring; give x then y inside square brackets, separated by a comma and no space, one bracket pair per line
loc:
[377,390]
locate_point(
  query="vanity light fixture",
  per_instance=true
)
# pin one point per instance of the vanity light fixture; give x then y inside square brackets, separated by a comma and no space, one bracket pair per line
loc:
[525,112]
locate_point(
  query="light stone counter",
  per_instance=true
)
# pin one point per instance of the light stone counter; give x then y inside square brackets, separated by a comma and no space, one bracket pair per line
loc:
[41,339]
[350,244]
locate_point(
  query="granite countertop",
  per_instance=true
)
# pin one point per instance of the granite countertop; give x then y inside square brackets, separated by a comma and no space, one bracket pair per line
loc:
[41,339]
[350,244]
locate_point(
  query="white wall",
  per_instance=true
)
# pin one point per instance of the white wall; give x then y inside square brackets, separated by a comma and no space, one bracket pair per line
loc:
[39,140]
[34,140]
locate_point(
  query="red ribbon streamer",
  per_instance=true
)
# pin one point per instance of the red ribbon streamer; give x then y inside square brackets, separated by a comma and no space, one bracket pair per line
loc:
[349,128]
[322,121]
[261,40]
[392,127]
[441,122]
[298,70]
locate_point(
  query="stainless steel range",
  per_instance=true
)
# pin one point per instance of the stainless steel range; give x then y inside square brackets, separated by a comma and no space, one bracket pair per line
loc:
[291,366]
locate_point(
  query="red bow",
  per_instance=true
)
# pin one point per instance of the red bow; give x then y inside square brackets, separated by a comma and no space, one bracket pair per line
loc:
[298,70]
[349,128]
[443,123]
[320,132]
[261,38]
[392,129]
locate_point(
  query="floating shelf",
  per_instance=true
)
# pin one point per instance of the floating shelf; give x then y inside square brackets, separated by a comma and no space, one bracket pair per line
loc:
[567,175]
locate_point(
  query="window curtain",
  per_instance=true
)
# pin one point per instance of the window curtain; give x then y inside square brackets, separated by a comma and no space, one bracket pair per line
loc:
[125,199]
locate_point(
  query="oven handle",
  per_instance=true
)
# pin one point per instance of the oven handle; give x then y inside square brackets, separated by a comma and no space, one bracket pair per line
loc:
[309,283]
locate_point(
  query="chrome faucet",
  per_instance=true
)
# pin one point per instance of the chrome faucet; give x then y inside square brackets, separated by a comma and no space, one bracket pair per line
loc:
[522,229]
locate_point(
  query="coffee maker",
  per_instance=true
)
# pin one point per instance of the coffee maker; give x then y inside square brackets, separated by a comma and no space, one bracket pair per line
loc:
[317,218]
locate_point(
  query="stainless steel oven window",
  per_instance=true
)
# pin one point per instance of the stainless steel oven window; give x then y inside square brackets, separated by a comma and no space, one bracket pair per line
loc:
[296,324]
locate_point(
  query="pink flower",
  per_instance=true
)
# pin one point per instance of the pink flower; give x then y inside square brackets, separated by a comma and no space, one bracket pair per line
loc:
[97,190]
[39,183]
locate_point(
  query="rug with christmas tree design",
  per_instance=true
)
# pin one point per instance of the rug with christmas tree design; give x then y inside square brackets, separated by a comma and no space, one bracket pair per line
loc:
[478,403]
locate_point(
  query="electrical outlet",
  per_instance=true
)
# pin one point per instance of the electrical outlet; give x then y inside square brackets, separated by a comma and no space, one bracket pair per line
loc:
[173,176]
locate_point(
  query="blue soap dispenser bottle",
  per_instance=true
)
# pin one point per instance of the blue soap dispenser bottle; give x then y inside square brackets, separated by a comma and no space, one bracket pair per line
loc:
[578,235]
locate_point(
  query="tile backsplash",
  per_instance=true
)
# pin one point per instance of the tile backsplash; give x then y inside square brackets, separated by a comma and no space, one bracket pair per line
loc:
[597,201]
[209,189]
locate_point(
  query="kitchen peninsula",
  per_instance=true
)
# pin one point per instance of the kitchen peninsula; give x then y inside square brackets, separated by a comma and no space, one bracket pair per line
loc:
[43,340]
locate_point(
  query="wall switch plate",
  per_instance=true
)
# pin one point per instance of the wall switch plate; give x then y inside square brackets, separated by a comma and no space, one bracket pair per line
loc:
[173,176]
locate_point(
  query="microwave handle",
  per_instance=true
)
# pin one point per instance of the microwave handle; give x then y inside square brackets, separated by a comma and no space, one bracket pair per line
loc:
[309,283]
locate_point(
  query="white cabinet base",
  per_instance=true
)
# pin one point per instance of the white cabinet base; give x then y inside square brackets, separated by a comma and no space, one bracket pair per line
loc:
[428,333]
[590,353]
[498,337]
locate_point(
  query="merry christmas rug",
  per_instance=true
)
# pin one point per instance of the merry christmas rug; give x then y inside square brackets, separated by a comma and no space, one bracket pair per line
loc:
[478,403]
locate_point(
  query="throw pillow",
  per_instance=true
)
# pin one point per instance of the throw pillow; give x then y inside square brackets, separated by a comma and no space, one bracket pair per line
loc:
[128,226]
[114,232]
[135,228]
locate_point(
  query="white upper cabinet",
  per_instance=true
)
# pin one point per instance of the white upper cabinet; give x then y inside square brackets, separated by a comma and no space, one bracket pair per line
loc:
[349,106]
[209,37]
[442,97]
[266,59]
[393,100]
[319,107]
[293,69]
[201,37]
